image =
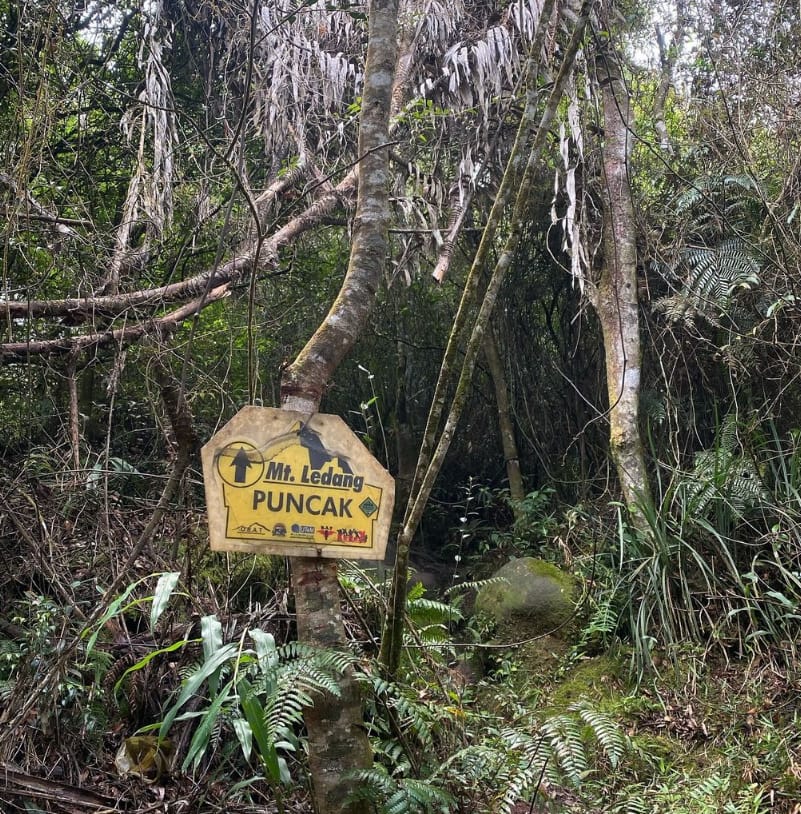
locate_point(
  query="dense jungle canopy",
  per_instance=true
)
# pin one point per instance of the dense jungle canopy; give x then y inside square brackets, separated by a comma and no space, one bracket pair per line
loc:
[542,256]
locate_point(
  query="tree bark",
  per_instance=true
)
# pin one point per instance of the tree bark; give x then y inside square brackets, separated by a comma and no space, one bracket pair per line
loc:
[506,426]
[615,299]
[338,742]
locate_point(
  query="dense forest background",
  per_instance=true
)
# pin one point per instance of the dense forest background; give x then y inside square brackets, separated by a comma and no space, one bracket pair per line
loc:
[621,182]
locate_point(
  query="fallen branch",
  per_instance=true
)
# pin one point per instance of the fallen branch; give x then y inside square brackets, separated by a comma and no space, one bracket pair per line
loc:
[16,352]
[22,784]
[84,309]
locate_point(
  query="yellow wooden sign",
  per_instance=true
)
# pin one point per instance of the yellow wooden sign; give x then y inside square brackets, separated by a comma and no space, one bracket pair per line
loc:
[281,482]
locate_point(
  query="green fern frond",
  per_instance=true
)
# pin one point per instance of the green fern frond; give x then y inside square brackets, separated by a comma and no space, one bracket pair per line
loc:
[6,689]
[515,760]
[311,676]
[415,719]
[475,585]
[336,661]
[518,788]
[284,709]
[606,731]
[390,752]
[563,736]
[418,797]
[710,788]
[714,274]
[711,277]
[430,611]
[604,621]
[373,784]
[477,763]
[726,437]
[431,619]
[703,188]
[723,475]
[413,715]
[399,796]
[635,801]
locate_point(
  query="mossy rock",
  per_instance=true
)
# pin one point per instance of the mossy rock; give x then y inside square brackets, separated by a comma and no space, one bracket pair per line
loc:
[531,597]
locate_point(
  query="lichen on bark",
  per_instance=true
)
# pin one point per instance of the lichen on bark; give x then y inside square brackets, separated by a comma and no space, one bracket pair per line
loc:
[615,298]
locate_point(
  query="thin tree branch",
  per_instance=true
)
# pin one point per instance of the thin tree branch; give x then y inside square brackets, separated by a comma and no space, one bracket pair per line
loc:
[12,352]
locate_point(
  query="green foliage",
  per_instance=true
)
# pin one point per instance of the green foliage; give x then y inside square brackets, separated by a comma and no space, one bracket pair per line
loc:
[710,278]
[391,795]
[474,760]
[485,530]
[603,622]
[116,472]
[513,762]
[534,518]
[724,193]
[717,559]
[724,480]
[259,692]
[399,710]
[716,793]
[430,619]
[73,702]
[165,587]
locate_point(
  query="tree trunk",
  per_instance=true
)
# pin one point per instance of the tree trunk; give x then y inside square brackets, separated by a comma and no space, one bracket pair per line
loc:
[405,442]
[338,742]
[505,423]
[615,299]
[516,188]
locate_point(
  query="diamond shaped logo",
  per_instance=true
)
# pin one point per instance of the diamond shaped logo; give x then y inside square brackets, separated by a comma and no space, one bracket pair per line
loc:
[368,507]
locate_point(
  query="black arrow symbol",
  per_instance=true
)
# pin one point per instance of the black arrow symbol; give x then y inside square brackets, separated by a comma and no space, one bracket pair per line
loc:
[241,464]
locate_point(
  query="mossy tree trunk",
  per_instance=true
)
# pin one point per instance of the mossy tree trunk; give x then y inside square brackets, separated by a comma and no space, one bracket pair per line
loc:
[615,298]
[338,742]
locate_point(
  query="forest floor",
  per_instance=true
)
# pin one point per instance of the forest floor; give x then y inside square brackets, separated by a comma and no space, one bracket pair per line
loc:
[707,733]
[704,732]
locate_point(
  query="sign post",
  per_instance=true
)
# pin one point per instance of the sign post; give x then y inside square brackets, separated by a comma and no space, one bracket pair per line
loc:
[281,482]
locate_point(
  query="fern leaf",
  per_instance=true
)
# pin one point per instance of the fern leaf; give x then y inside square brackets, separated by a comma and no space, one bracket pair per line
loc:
[711,278]
[563,736]
[606,731]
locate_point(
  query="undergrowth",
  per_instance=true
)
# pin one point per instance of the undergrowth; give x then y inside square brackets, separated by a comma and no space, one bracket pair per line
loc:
[676,692]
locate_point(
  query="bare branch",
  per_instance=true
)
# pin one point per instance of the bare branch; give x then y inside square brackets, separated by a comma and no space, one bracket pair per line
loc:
[12,352]
[667,60]
[62,226]
[86,308]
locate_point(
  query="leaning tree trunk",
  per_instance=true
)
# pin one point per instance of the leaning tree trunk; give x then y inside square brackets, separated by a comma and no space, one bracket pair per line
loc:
[338,742]
[516,188]
[615,299]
